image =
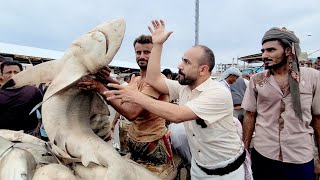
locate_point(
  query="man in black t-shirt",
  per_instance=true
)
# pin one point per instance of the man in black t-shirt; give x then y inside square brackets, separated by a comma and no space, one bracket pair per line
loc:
[16,104]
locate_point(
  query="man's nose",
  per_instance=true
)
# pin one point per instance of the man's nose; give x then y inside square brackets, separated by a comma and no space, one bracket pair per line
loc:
[142,55]
[265,55]
[12,74]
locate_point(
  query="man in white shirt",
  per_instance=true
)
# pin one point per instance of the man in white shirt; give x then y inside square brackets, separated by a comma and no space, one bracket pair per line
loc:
[205,107]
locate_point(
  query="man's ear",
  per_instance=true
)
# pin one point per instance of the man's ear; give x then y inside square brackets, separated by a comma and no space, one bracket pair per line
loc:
[287,51]
[203,69]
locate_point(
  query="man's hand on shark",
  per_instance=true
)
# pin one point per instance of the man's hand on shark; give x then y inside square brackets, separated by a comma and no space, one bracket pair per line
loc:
[104,76]
[129,93]
[90,84]
[104,73]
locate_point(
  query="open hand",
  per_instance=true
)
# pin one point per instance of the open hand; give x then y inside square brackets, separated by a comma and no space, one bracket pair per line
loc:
[158,34]
[104,76]
[127,93]
[103,73]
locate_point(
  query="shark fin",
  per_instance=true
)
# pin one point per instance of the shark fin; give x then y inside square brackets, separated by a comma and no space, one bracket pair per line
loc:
[41,73]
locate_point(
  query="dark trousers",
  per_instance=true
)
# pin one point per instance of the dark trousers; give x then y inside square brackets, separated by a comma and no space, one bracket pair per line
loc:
[267,169]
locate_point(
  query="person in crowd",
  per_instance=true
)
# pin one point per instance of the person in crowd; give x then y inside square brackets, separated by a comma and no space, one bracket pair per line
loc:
[2,59]
[232,80]
[167,73]
[175,76]
[247,77]
[317,64]
[238,89]
[229,77]
[282,106]
[251,73]
[16,104]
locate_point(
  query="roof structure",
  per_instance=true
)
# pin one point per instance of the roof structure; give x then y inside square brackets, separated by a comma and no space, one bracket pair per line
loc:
[28,55]
[253,58]
[34,56]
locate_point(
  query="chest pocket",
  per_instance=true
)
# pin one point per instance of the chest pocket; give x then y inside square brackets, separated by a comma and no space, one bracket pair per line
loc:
[306,94]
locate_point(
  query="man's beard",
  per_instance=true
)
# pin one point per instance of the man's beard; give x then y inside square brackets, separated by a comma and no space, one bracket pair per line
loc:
[278,65]
[144,66]
[186,80]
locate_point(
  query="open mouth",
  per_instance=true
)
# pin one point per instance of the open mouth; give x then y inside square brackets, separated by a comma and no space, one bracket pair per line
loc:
[267,60]
[107,41]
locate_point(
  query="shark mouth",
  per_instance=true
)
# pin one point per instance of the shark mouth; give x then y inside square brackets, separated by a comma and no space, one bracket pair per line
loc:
[107,41]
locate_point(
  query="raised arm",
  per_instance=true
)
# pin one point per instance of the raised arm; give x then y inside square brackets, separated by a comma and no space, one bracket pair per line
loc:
[154,77]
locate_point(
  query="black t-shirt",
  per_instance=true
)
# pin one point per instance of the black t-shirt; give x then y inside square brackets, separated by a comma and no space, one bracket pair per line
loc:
[15,106]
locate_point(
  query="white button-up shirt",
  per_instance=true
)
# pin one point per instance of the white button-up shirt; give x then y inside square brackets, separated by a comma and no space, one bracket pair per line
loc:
[219,141]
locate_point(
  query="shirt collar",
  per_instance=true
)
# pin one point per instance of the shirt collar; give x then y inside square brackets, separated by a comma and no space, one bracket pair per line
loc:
[204,85]
[226,83]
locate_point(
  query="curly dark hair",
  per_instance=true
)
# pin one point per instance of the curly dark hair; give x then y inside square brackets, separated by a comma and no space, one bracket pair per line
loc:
[143,39]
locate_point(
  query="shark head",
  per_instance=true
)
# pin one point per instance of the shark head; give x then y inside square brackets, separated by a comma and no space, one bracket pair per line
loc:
[87,54]
[98,47]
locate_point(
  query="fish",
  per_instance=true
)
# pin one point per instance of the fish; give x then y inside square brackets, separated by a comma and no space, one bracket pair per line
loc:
[66,110]
[54,171]
[35,146]
[16,163]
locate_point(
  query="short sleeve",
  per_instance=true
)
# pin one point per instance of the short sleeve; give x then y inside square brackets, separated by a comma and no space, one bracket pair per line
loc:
[316,93]
[249,102]
[174,88]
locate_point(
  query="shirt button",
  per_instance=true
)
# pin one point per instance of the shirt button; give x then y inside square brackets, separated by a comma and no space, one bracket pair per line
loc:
[198,150]
[193,135]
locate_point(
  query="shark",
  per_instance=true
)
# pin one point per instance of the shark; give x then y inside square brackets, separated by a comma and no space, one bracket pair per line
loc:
[66,110]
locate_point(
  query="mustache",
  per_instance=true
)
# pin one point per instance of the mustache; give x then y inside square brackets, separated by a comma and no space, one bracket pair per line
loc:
[142,60]
[266,60]
[180,73]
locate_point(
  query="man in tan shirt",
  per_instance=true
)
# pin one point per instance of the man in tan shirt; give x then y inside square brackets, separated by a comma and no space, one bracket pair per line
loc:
[147,135]
[282,106]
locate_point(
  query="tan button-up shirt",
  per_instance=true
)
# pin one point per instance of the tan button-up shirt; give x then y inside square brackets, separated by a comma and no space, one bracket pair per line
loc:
[210,101]
[292,142]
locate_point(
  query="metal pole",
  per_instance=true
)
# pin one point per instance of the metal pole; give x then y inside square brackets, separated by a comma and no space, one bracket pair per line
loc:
[196,23]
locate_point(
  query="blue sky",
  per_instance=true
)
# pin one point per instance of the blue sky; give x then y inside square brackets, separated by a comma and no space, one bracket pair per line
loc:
[231,28]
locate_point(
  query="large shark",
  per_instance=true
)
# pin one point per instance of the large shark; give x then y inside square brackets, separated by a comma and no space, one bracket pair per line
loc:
[66,110]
